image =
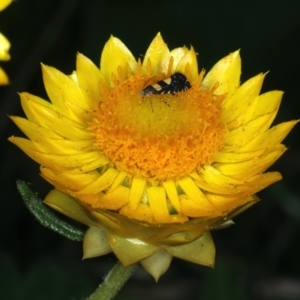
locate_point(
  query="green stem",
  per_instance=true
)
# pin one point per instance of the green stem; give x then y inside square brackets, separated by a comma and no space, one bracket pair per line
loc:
[113,282]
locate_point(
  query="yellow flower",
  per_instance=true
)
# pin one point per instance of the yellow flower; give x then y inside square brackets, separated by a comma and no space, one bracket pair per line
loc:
[152,173]
[4,4]
[4,47]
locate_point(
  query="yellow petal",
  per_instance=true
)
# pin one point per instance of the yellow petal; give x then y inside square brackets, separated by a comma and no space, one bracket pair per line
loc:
[101,183]
[3,77]
[263,104]
[4,4]
[28,147]
[34,131]
[142,213]
[269,138]
[192,209]
[251,167]
[226,73]
[158,204]
[202,251]
[74,77]
[158,55]
[89,79]
[244,134]
[261,181]
[65,95]
[234,157]
[118,180]
[189,62]
[130,251]
[91,199]
[136,192]
[95,243]
[85,161]
[115,57]
[236,105]
[70,179]
[44,114]
[157,264]
[213,180]
[4,48]
[228,202]
[115,199]
[171,191]
[223,187]
[92,161]
[32,104]
[178,54]
[65,147]
[48,142]
[194,193]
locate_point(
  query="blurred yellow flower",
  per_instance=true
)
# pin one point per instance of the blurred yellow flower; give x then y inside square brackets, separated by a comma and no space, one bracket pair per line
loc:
[4,47]
[152,155]
[4,4]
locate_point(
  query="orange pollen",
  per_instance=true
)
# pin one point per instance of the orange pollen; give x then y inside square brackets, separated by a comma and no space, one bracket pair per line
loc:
[158,136]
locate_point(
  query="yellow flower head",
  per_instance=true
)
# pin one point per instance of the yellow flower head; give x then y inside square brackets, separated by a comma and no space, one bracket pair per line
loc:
[4,47]
[151,154]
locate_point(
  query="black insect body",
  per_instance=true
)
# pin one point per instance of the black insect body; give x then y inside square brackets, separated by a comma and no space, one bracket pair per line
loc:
[172,85]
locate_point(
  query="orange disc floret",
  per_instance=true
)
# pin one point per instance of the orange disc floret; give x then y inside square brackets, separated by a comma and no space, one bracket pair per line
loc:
[158,136]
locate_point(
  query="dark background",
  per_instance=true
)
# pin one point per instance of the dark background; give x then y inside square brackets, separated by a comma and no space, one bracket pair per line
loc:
[258,258]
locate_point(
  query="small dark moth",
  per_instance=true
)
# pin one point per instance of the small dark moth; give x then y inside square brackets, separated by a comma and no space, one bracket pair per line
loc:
[172,85]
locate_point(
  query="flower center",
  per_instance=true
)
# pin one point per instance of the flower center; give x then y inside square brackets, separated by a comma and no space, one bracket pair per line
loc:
[158,136]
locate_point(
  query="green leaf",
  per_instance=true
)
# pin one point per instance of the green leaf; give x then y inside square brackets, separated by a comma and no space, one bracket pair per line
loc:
[45,215]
